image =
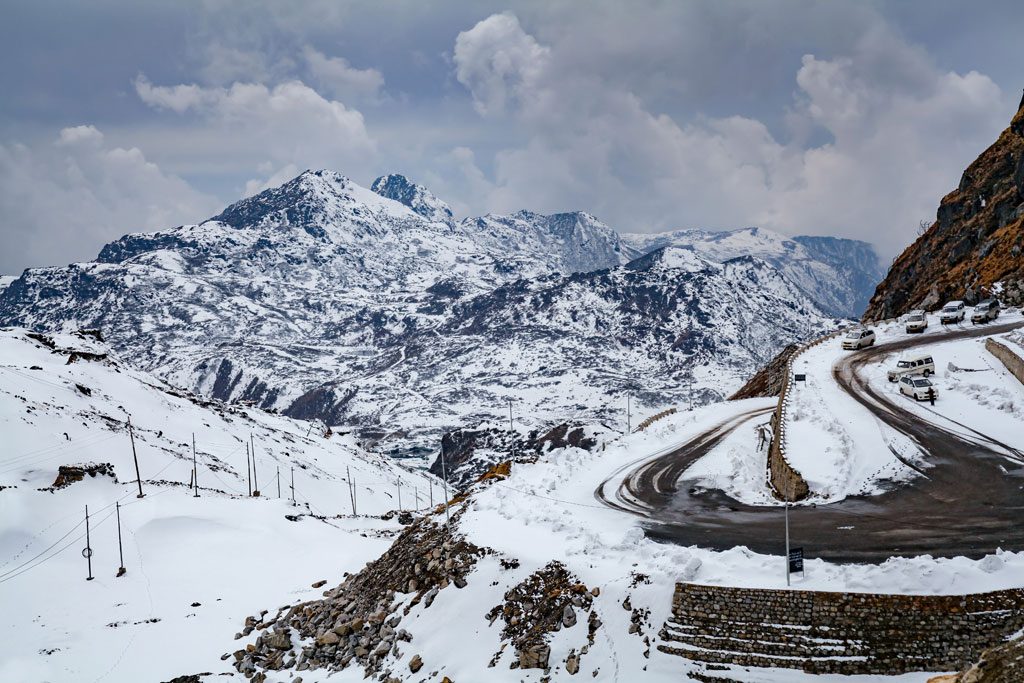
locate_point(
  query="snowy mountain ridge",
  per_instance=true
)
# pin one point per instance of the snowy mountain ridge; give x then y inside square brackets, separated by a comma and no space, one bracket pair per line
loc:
[323,299]
[839,275]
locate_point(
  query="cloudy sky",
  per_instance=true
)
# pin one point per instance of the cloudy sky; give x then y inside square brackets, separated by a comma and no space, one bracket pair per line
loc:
[832,117]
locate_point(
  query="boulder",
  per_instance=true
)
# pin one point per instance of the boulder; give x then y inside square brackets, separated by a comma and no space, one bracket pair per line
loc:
[278,641]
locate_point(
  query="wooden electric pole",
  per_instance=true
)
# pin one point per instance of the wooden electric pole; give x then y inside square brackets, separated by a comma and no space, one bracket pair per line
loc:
[87,551]
[135,457]
[255,480]
[120,549]
[444,477]
[195,469]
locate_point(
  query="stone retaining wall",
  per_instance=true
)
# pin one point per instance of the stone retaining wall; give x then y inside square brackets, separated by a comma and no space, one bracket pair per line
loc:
[843,633]
[1013,362]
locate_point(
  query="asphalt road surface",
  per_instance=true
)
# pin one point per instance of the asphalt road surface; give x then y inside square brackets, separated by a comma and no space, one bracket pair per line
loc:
[968,501]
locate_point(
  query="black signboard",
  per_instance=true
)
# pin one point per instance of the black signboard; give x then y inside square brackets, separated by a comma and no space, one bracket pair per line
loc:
[796,560]
[800,377]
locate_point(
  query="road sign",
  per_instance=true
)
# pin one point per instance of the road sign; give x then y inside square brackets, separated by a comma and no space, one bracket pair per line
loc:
[796,560]
[800,378]
[87,552]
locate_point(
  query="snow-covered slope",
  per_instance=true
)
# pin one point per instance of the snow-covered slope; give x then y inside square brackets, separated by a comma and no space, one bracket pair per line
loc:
[376,312]
[196,567]
[839,275]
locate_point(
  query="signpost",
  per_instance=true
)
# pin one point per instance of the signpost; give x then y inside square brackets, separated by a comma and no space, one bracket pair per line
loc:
[796,560]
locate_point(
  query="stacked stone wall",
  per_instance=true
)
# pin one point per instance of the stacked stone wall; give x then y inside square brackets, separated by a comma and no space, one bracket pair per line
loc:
[1013,362]
[841,633]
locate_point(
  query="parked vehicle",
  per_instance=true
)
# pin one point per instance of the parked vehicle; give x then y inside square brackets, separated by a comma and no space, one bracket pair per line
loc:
[952,312]
[858,339]
[985,311]
[919,365]
[917,321]
[918,388]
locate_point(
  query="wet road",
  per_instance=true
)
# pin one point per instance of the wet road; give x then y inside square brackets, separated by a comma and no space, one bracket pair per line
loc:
[968,500]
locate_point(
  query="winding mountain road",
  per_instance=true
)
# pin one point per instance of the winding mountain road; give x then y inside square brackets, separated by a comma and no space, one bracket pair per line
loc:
[969,500]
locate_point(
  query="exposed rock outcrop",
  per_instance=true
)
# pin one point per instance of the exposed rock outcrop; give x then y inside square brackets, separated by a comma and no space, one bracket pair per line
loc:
[768,380]
[546,601]
[1002,664]
[470,453]
[977,239]
[359,622]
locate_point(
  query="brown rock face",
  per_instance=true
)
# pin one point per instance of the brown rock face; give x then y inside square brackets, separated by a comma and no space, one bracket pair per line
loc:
[976,240]
[768,380]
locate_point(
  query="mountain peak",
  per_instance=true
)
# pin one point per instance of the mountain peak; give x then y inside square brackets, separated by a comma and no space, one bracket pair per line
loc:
[416,197]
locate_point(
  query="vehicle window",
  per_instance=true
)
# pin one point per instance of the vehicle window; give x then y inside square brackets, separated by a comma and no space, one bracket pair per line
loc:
[928,360]
[903,364]
[922,383]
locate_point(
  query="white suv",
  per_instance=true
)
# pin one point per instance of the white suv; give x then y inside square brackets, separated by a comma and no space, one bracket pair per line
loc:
[918,388]
[952,312]
[917,321]
[858,339]
[921,365]
[985,311]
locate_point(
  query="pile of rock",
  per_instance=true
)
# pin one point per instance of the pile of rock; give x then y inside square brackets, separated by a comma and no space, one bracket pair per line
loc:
[69,474]
[359,621]
[546,601]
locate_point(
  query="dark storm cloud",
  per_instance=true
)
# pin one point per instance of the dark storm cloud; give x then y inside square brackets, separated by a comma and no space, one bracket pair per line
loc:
[844,118]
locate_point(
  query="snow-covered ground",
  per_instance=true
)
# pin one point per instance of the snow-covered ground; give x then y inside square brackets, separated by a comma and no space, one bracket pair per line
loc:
[196,567]
[547,511]
[975,392]
[841,449]
[235,555]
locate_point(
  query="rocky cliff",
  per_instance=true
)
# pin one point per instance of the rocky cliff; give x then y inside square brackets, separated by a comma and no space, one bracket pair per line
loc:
[975,245]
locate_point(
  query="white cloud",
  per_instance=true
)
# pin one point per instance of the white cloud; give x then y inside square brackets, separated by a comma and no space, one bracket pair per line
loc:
[62,201]
[498,62]
[269,129]
[340,78]
[891,133]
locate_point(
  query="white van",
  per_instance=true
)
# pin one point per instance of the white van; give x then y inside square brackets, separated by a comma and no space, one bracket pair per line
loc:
[858,339]
[918,388]
[952,312]
[919,365]
[917,321]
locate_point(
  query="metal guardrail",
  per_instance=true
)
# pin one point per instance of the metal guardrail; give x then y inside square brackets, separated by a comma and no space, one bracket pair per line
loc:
[654,418]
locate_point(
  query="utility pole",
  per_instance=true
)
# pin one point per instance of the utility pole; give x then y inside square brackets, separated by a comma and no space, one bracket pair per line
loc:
[138,477]
[248,469]
[255,481]
[355,497]
[444,477]
[278,481]
[787,541]
[431,482]
[398,483]
[629,426]
[87,551]
[348,481]
[293,487]
[416,498]
[120,549]
[689,390]
[195,469]
[510,427]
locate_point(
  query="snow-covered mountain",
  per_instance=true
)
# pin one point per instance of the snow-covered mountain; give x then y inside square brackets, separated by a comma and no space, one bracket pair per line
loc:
[323,299]
[838,274]
[196,566]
